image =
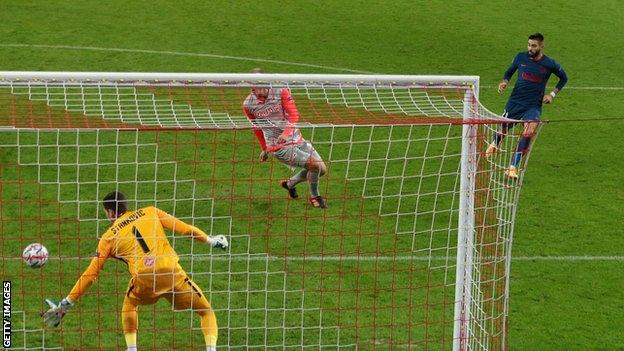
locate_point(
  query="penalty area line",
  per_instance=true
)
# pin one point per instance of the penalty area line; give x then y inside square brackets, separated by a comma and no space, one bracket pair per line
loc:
[242,58]
[179,53]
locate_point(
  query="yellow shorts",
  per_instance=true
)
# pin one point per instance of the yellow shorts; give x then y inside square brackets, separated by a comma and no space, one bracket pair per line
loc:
[176,286]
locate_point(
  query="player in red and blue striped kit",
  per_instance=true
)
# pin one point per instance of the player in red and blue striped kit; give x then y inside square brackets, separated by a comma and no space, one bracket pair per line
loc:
[525,103]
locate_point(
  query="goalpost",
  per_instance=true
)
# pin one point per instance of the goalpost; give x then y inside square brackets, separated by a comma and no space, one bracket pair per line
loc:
[414,249]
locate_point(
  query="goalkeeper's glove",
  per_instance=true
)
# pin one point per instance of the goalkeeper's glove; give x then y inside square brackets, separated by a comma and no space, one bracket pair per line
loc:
[53,316]
[218,241]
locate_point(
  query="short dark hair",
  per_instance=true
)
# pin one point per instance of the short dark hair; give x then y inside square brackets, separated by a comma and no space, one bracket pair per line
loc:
[536,36]
[115,201]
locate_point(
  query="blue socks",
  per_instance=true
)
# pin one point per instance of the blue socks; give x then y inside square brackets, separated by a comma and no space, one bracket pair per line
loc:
[523,146]
[498,137]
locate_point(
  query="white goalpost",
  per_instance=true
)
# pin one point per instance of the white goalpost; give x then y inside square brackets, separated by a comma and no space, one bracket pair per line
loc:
[414,249]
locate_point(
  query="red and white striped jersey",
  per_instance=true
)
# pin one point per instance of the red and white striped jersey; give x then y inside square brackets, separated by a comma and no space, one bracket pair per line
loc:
[273,116]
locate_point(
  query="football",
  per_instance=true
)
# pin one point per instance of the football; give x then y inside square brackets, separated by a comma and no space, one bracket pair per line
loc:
[35,255]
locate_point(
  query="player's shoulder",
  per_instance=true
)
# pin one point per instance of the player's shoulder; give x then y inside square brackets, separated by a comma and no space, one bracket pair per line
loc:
[106,243]
[249,100]
[147,208]
[520,58]
[148,211]
[551,61]
[283,92]
[108,235]
[522,55]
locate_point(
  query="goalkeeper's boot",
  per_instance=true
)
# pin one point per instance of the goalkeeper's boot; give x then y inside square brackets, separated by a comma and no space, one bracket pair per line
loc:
[292,192]
[491,150]
[318,202]
[220,242]
[512,172]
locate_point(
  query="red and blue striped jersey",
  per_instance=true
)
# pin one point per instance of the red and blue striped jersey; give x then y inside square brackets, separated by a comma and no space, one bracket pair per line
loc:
[532,78]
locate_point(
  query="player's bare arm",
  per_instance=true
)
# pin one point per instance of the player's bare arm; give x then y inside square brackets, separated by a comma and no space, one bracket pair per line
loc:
[548,98]
[264,155]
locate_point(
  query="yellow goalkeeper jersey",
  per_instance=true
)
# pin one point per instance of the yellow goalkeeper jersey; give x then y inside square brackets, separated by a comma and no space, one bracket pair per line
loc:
[138,239]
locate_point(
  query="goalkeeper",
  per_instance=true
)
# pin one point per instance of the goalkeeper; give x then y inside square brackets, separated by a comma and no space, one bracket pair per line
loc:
[138,239]
[525,102]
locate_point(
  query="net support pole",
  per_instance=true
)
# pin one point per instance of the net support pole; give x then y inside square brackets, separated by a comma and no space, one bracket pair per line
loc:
[466,228]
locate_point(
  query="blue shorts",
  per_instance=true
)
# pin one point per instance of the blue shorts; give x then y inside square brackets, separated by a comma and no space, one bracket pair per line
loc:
[524,113]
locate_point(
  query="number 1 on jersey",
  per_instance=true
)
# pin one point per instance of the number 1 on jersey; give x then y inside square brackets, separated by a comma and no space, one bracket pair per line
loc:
[139,237]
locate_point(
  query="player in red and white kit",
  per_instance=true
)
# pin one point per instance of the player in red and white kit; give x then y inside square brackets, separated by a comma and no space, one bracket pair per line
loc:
[274,115]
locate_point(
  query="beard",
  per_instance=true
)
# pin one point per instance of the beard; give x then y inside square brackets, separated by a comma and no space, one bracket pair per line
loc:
[534,54]
[261,92]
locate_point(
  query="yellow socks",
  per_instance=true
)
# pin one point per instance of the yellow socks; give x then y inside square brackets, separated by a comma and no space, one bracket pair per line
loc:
[131,341]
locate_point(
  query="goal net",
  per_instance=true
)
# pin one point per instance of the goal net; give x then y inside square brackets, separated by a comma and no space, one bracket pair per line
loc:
[413,250]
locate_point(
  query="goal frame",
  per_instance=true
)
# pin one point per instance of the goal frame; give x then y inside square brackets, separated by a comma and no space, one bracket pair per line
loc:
[469,152]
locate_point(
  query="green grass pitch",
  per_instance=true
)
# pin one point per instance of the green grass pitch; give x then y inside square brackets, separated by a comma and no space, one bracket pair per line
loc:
[572,195]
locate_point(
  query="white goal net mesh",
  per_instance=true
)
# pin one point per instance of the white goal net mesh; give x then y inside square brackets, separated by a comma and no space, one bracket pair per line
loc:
[377,269]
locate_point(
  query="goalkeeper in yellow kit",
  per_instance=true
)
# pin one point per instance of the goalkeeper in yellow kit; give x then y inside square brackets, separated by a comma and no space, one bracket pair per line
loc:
[138,239]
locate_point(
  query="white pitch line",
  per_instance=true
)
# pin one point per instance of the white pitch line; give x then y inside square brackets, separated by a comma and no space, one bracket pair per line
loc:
[568,258]
[402,258]
[594,88]
[240,58]
[569,87]
[177,53]
[425,258]
[260,257]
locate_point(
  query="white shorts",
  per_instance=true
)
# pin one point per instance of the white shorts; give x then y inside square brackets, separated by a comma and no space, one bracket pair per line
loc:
[296,155]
